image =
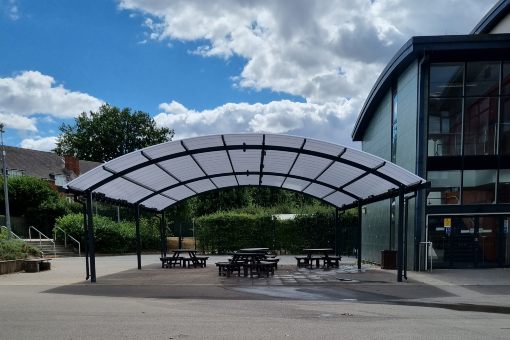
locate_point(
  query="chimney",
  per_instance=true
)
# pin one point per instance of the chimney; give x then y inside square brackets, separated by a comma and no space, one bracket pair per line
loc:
[72,164]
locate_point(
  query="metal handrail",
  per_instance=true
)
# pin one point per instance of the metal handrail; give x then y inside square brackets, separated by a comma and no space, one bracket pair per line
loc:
[65,238]
[12,232]
[40,238]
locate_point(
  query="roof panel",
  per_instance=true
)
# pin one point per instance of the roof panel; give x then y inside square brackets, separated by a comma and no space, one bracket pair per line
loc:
[295,184]
[126,161]
[248,180]
[284,140]
[240,138]
[164,149]
[309,166]
[92,177]
[120,189]
[337,198]
[158,202]
[245,160]
[362,158]
[152,176]
[318,190]
[225,181]
[369,185]
[323,147]
[203,142]
[338,174]
[202,185]
[183,168]
[278,161]
[216,162]
[179,193]
[394,171]
[272,181]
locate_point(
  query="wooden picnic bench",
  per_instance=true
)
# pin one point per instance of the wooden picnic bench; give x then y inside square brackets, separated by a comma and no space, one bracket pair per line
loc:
[331,261]
[307,261]
[171,261]
[195,261]
[227,268]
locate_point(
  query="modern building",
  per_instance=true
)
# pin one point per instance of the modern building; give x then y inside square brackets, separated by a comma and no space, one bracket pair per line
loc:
[46,165]
[441,109]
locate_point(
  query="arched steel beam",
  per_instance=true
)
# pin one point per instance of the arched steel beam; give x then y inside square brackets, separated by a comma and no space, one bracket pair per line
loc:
[298,151]
[140,201]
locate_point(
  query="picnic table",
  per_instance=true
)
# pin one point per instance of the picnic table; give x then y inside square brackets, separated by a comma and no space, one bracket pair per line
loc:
[316,255]
[177,259]
[250,262]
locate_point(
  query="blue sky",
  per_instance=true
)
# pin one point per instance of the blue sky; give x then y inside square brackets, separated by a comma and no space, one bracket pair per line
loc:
[200,67]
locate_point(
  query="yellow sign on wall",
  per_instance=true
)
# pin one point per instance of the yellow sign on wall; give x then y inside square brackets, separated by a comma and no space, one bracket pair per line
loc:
[447,222]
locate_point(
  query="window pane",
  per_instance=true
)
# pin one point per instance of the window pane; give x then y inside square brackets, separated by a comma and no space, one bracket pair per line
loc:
[504,132]
[482,78]
[445,127]
[480,125]
[446,79]
[504,186]
[445,187]
[505,84]
[479,186]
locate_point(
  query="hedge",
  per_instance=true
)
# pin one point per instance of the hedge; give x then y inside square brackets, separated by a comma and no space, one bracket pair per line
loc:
[224,232]
[110,236]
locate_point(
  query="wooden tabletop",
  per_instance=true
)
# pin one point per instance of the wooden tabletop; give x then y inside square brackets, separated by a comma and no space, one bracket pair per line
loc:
[253,250]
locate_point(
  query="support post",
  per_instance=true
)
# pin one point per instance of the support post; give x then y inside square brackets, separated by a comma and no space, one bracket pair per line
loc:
[406,228]
[85,231]
[165,244]
[359,235]
[91,241]
[400,238]
[337,251]
[138,241]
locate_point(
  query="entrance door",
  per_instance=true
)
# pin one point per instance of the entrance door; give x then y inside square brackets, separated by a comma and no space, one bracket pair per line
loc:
[469,241]
[453,241]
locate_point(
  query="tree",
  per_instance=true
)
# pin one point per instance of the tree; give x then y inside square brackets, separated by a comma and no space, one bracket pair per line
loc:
[109,133]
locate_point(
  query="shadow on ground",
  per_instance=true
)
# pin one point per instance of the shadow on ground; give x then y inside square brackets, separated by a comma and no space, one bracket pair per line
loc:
[343,284]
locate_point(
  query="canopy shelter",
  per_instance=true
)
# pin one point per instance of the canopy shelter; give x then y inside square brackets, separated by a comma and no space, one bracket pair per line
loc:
[162,175]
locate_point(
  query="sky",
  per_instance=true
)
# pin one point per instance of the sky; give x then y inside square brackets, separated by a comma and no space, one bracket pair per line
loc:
[299,67]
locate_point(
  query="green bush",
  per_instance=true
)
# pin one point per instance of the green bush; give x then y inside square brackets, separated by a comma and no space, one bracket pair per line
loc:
[16,249]
[34,199]
[110,236]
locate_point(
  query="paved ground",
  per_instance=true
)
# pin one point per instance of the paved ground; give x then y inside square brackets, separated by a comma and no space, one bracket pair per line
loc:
[157,303]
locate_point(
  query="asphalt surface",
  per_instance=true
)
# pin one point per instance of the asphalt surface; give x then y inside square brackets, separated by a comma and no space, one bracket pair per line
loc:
[157,303]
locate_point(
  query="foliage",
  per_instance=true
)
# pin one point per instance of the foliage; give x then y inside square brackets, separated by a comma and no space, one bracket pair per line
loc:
[36,200]
[15,249]
[110,236]
[109,133]
[222,232]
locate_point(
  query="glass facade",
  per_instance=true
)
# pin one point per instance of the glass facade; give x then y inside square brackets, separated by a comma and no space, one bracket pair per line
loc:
[445,187]
[469,133]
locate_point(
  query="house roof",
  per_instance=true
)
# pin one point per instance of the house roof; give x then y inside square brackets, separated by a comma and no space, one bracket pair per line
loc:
[414,49]
[492,18]
[159,176]
[41,164]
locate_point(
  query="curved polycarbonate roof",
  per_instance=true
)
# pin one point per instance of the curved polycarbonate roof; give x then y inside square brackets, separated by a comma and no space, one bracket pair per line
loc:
[161,175]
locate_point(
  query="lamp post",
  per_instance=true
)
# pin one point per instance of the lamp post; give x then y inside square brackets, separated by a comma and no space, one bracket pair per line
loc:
[6,190]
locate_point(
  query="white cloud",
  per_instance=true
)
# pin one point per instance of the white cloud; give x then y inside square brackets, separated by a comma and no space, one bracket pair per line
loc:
[13,10]
[327,52]
[298,46]
[323,121]
[18,122]
[39,143]
[32,92]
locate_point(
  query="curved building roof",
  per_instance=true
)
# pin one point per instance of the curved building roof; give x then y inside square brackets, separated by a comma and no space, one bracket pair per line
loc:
[417,47]
[492,18]
[161,175]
